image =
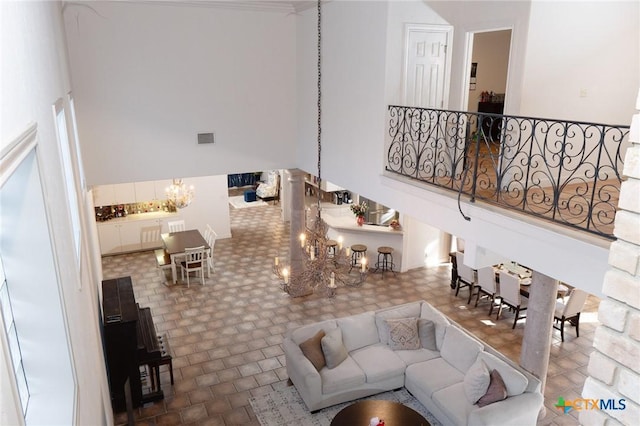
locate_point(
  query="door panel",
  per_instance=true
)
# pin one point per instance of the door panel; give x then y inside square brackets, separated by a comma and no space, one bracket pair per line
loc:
[425,65]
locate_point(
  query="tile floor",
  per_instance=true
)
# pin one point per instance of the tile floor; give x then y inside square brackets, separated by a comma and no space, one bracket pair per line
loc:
[226,336]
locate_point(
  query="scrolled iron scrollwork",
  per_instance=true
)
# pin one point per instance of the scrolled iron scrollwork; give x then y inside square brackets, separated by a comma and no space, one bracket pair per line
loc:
[565,171]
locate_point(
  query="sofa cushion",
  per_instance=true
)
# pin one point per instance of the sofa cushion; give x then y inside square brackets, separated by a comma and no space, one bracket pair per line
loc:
[345,376]
[403,334]
[431,376]
[333,348]
[459,349]
[515,381]
[358,331]
[301,334]
[453,403]
[429,312]
[312,349]
[476,381]
[497,390]
[403,311]
[378,362]
[427,334]
[411,357]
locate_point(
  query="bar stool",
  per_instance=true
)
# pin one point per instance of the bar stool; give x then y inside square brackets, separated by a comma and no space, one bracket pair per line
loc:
[358,252]
[385,260]
[331,248]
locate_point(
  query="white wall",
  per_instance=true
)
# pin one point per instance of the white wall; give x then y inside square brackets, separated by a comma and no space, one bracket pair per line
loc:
[400,13]
[149,76]
[210,205]
[471,16]
[582,46]
[421,246]
[354,123]
[34,76]
[354,106]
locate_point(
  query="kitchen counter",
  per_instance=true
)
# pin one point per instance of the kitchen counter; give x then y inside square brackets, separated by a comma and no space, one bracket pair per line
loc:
[342,222]
[349,223]
[133,232]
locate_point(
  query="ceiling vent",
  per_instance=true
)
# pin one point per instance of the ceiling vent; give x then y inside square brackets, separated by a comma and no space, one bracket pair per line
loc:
[205,138]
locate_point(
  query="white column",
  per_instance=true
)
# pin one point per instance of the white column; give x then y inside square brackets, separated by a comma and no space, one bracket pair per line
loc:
[297,226]
[536,343]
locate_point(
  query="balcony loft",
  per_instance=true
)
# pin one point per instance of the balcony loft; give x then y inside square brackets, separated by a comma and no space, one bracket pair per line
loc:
[564,172]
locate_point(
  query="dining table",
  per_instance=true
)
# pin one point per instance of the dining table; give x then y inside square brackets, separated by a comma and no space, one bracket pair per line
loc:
[176,243]
[524,275]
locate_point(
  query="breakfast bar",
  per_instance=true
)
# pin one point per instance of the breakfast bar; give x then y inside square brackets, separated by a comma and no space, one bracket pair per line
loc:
[342,223]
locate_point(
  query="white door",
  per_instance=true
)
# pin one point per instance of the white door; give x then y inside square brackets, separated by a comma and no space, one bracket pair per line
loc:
[426,65]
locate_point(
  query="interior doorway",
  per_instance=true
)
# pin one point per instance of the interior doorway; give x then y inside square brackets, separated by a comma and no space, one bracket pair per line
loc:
[487,70]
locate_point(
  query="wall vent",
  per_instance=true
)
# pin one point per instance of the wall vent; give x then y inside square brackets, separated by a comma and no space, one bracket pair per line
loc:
[205,138]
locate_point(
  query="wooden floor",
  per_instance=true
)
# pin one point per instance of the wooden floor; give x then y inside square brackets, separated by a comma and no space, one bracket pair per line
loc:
[571,206]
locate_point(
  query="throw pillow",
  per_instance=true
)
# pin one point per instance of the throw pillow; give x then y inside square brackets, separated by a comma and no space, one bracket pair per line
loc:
[476,381]
[312,349]
[514,380]
[333,348]
[427,333]
[497,390]
[403,334]
[358,330]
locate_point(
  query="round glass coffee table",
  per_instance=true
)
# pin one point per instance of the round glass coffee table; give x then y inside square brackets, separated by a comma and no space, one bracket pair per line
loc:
[393,414]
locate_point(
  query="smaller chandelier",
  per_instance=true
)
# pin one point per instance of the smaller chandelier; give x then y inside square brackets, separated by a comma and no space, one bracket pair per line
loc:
[179,195]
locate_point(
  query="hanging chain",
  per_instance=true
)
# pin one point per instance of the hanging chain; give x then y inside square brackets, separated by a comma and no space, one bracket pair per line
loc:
[319,104]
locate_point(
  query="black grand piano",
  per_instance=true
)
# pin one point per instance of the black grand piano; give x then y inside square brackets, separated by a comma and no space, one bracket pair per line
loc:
[131,342]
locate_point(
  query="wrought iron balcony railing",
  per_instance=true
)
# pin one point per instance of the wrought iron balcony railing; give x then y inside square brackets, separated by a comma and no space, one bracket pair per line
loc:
[565,171]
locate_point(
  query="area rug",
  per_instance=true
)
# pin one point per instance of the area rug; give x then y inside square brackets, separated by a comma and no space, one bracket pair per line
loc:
[285,408]
[239,203]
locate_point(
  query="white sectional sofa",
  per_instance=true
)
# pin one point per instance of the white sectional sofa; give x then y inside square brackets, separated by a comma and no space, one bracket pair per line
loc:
[447,371]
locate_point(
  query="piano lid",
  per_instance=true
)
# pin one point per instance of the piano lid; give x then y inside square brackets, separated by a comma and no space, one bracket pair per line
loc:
[118,301]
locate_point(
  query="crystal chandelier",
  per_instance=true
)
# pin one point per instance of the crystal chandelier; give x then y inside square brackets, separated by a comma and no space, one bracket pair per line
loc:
[179,195]
[326,264]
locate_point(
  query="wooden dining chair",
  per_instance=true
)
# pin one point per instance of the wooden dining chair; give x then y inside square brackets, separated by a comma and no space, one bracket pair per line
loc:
[487,286]
[194,259]
[466,276]
[510,296]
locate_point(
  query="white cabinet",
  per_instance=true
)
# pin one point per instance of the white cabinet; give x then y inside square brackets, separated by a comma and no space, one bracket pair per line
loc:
[130,236]
[125,236]
[110,195]
[326,186]
[145,191]
[109,236]
[119,237]
[151,190]
[125,193]
[103,195]
[161,188]
[129,193]
[329,187]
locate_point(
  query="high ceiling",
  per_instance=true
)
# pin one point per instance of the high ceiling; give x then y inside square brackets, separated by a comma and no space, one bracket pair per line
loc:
[290,6]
